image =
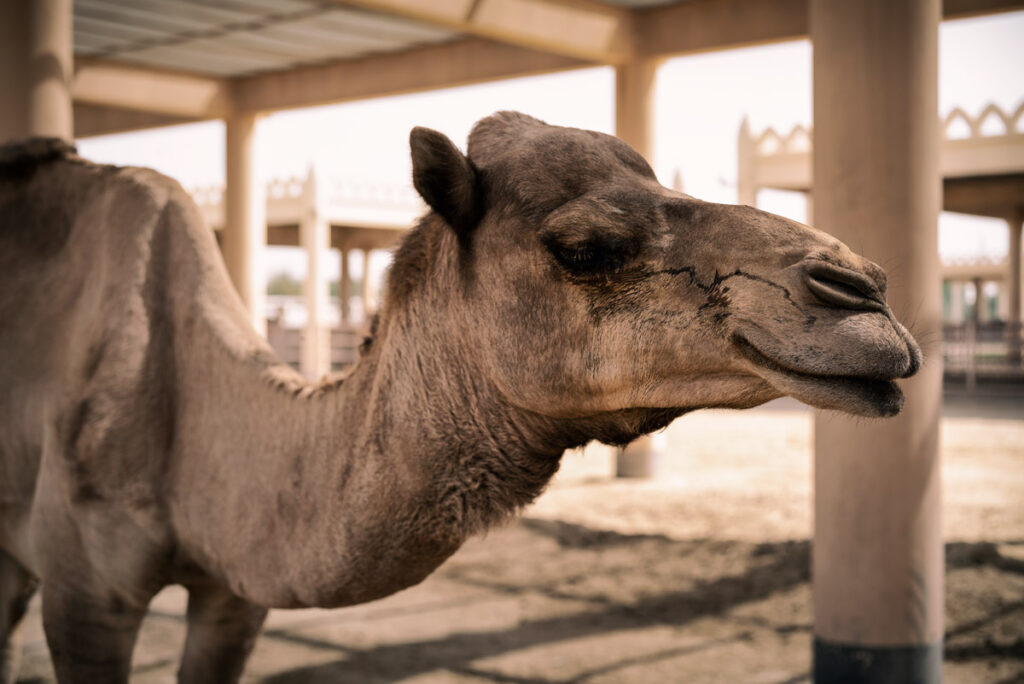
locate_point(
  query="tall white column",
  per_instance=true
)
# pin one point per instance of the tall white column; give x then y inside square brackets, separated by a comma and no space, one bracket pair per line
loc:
[956,301]
[634,104]
[35,69]
[366,288]
[746,177]
[245,225]
[634,123]
[978,313]
[314,238]
[1003,300]
[878,554]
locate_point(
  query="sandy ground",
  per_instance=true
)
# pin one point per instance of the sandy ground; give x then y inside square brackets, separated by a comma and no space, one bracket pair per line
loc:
[699,575]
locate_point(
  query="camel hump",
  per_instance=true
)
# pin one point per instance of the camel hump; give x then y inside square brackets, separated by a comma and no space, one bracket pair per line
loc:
[21,155]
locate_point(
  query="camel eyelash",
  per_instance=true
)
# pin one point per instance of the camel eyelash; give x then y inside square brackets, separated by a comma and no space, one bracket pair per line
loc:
[588,257]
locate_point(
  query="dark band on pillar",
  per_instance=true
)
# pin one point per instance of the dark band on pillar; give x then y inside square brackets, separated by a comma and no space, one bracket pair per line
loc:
[858,664]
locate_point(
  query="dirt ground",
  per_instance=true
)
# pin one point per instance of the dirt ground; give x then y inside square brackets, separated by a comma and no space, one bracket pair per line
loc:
[698,575]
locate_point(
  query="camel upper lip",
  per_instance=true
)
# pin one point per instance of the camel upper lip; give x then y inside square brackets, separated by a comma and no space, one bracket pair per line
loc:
[860,394]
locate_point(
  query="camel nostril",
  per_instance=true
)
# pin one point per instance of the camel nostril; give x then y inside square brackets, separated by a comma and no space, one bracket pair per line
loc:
[843,287]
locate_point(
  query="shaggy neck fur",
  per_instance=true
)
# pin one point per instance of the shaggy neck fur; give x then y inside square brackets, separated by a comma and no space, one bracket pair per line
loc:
[354,488]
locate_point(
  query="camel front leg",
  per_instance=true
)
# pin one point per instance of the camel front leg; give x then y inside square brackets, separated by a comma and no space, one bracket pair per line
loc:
[222,630]
[91,633]
[16,588]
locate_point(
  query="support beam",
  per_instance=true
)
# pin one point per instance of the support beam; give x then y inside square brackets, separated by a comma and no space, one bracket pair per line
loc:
[581,29]
[444,66]
[704,25]
[962,9]
[35,69]
[245,227]
[93,120]
[150,90]
[878,554]
[314,238]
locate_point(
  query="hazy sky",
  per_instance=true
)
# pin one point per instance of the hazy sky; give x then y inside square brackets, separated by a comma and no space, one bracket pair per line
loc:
[700,103]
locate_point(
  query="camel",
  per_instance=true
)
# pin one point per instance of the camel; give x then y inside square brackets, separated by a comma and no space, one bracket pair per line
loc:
[553,294]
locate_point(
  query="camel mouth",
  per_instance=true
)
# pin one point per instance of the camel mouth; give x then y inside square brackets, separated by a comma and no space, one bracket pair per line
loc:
[863,396]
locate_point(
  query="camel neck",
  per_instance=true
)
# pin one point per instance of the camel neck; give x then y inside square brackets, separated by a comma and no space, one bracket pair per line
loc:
[347,490]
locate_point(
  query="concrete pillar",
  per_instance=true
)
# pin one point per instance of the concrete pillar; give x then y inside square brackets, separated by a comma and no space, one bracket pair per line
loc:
[345,288]
[366,288]
[634,123]
[746,176]
[315,240]
[978,314]
[245,224]
[1014,284]
[878,554]
[1003,300]
[634,104]
[956,301]
[35,69]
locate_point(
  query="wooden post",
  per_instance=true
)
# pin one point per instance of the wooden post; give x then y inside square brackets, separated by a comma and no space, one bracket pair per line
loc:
[878,554]
[245,225]
[634,123]
[35,69]
[314,238]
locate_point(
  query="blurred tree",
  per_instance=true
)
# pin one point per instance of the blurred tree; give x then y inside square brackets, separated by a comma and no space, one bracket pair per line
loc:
[283,284]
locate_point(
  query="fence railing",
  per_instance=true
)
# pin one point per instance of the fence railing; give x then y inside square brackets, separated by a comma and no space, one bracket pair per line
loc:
[989,351]
[345,342]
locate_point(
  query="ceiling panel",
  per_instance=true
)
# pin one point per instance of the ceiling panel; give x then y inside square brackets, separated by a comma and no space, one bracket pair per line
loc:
[238,37]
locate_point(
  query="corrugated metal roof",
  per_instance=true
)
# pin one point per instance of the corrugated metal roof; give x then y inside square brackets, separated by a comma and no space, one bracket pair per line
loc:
[238,37]
[637,4]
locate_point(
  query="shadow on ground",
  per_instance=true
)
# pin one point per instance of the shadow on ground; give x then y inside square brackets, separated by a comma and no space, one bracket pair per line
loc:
[613,583]
[548,602]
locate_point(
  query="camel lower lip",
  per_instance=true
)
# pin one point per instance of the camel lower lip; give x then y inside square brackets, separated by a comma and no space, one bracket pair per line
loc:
[853,394]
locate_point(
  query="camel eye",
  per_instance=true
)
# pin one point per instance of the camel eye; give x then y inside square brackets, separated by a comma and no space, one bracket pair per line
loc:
[588,257]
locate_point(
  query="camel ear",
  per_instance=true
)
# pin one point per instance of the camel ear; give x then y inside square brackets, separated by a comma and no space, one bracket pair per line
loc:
[446,180]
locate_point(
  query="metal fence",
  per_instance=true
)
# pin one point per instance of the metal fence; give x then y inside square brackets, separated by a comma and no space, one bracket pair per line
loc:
[983,353]
[345,341]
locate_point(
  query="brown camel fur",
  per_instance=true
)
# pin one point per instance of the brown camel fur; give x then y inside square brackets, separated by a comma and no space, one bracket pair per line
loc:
[555,294]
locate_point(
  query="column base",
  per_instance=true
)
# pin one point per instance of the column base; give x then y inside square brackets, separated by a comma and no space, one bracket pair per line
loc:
[857,664]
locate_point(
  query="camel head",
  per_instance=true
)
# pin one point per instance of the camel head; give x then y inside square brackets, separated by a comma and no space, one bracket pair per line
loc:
[587,288]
